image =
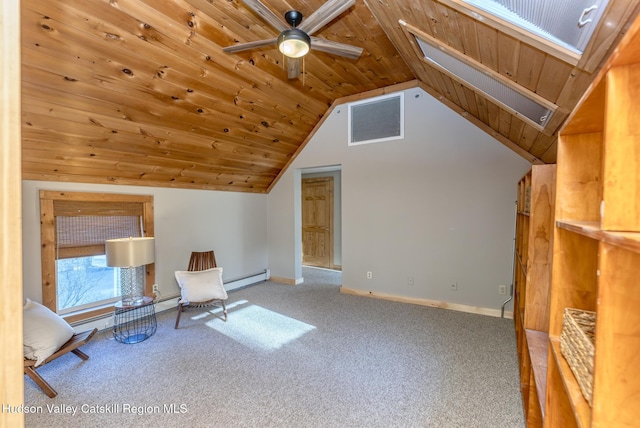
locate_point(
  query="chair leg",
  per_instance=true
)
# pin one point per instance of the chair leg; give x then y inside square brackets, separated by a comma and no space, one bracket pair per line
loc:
[178,317]
[39,380]
[224,310]
[80,354]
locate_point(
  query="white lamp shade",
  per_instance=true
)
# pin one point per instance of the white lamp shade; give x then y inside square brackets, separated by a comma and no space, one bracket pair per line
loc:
[130,252]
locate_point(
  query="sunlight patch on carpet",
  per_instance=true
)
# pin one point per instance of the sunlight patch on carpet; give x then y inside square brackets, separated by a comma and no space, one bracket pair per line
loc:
[260,328]
[217,311]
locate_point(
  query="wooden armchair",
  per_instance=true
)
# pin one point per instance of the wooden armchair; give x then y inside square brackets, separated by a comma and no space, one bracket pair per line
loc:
[72,345]
[201,261]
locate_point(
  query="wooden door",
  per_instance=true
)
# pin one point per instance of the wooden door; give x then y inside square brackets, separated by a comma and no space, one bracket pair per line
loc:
[317,222]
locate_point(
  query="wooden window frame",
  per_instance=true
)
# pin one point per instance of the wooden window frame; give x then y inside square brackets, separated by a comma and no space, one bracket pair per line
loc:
[48,243]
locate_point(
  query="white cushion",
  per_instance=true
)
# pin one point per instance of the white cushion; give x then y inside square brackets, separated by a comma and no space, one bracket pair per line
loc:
[201,286]
[44,331]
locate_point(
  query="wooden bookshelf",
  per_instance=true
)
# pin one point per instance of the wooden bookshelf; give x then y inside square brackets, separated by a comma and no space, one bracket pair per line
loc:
[532,280]
[596,257]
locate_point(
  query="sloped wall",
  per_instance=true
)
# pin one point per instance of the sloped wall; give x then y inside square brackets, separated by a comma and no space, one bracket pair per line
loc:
[437,206]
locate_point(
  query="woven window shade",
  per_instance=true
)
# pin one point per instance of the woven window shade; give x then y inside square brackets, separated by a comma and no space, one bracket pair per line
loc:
[82,227]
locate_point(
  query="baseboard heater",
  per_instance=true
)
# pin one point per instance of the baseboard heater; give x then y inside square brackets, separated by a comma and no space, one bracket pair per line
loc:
[170,302]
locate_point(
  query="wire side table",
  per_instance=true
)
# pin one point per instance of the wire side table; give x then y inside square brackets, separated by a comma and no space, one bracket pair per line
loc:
[135,323]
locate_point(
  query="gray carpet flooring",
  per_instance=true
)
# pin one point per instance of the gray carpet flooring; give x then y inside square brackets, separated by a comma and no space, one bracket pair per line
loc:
[303,356]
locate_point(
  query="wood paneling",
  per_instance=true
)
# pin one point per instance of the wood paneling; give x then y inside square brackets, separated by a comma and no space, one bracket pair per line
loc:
[11,298]
[139,92]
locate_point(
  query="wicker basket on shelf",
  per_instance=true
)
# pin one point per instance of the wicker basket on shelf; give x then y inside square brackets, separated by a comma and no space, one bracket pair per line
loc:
[577,347]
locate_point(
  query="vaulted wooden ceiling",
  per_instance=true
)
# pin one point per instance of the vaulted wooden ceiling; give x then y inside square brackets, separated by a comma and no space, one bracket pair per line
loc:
[139,92]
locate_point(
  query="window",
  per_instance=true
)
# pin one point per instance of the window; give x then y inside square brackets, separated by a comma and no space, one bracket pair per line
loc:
[76,280]
[527,105]
[568,23]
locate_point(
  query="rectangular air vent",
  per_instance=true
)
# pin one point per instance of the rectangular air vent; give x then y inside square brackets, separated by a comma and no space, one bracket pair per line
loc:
[376,119]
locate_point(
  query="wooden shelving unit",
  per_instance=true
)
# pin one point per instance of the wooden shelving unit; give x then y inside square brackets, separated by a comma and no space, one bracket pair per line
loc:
[532,281]
[596,257]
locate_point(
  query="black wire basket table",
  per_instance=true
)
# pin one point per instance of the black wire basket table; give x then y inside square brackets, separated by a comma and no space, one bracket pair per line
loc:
[134,323]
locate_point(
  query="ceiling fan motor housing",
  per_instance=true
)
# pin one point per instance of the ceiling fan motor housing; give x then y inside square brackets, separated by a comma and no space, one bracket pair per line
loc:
[293,17]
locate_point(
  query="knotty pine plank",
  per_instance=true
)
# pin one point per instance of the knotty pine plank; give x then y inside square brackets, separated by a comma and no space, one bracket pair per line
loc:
[516,129]
[553,76]
[104,127]
[471,101]
[530,62]
[143,113]
[528,137]
[494,115]
[435,19]
[468,34]
[542,144]
[505,123]
[449,22]
[488,41]
[508,56]
[148,149]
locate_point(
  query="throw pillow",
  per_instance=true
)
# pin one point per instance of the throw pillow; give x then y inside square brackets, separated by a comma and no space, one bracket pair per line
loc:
[44,331]
[201,286]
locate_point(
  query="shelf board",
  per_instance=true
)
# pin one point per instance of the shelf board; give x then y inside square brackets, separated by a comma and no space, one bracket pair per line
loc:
[588,116]
[579,404]
[538,342]
[525,213]
[591,229]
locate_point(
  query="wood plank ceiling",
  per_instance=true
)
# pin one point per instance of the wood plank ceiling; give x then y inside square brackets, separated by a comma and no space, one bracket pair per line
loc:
[139,92]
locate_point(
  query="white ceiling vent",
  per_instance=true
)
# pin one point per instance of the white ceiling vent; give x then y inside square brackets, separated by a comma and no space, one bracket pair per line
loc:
[376,119]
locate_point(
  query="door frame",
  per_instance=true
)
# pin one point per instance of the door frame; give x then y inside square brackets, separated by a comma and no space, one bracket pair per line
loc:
[310,172]
[327,178]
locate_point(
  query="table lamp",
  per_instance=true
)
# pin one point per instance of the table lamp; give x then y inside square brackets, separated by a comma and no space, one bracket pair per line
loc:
[129,254]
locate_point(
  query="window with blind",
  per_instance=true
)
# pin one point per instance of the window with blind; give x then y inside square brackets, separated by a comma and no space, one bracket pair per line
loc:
[568,23]
[74,229]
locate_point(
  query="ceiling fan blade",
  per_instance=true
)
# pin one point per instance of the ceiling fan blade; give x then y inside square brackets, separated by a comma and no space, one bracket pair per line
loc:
[258,7]
[249,45]
[293,68]
[336,48]
[325,14]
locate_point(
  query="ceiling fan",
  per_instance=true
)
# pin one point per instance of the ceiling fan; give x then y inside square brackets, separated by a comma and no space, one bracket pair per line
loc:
[295,38]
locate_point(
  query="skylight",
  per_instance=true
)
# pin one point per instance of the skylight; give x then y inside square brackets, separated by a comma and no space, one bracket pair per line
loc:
[568,23]
[529,107]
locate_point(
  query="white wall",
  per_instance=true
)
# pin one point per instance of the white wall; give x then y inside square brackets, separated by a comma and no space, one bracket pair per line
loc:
[437,206]
[230,223]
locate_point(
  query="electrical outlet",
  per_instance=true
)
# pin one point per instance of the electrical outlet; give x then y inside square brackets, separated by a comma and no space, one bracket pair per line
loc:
[155,289]
[454,286]
[369,275]
[409,280]
[502,289]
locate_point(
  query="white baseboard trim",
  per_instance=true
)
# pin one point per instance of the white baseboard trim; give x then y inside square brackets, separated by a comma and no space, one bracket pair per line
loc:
[426,302]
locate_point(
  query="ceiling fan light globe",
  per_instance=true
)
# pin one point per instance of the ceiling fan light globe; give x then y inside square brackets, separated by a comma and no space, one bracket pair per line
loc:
[294,43]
